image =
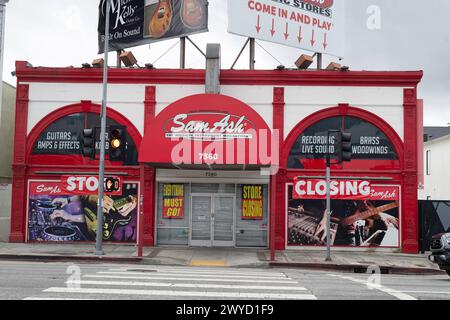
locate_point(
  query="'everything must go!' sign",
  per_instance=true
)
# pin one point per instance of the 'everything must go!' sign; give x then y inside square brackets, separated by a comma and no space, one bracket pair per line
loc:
[252,203]
[173,201]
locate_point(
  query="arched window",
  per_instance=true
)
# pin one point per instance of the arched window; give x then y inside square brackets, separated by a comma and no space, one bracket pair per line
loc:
[64,137]
[371,147]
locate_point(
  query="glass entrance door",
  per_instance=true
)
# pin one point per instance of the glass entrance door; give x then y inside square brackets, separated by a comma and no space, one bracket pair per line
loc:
[223,221]
[201,213]
[212,222]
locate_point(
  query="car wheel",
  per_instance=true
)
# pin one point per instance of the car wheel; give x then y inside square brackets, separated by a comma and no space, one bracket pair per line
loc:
[448,272]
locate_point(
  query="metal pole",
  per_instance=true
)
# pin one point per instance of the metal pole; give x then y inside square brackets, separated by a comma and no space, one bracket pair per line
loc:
[119,62]
[319,61]
[252,53]
[328,209]
[196,46]
[240,53]
[101,174]
[182,52]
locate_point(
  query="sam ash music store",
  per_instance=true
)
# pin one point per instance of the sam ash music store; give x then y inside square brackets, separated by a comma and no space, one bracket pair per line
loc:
[243,169]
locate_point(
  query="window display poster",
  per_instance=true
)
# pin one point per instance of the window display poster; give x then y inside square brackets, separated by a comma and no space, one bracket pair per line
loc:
[56,214]
[373,221]
[173,201]
[252,202]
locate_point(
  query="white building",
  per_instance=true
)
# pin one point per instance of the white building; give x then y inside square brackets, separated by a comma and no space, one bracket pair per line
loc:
[436,164]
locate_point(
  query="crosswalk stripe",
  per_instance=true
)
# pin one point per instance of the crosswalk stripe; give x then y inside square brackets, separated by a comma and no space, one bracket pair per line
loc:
[198,271]
[182,285]
[185,274]
[51,299]
[176,278]
[170,293]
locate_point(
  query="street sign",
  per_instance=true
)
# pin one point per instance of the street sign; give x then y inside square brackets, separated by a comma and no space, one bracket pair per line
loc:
[313,25]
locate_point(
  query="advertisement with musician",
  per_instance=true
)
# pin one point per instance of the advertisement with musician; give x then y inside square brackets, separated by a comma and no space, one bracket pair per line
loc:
[59,213]
[362,214]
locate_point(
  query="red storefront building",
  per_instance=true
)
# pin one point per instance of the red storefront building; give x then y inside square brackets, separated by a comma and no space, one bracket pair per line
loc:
[243,168]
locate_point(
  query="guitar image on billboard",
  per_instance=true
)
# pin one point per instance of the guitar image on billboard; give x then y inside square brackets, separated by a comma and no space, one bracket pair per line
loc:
[161,19]
[141,22]
[193,13]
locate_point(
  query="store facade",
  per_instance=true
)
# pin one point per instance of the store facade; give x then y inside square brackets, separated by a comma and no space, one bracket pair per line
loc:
[243,168]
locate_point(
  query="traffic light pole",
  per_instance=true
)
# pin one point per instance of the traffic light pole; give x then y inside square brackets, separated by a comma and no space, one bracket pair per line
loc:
[328,208]
[101,174]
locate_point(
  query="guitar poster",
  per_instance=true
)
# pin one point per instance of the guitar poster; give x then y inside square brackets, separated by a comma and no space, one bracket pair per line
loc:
[358,222]
[173,201]
[139,22]
[57,215]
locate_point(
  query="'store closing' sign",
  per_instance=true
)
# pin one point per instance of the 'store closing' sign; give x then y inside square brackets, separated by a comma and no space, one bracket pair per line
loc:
[314,25]
[173,201]
[252,203]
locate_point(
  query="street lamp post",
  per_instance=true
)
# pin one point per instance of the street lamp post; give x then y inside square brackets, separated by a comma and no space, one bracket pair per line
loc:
[101,174]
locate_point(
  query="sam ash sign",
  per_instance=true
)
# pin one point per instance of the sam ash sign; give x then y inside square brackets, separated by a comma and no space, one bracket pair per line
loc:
[71,185]
[206,126]
[173,201]
[252,203]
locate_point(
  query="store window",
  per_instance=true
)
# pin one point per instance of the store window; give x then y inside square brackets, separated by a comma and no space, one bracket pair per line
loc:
[252,216]
[63,137]
[212,214]
[358,220]
[56,214]
[173,214]
[370,146]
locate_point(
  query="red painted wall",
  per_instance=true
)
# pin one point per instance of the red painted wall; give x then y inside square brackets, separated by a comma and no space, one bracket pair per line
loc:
[406,175]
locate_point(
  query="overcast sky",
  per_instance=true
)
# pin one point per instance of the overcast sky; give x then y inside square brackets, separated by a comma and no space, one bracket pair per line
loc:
[414,35]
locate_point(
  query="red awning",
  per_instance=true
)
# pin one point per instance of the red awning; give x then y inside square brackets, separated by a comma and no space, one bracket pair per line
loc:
[208,129]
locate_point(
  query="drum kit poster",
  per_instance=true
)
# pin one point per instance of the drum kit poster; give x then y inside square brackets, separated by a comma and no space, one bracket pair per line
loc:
[55,215]
[354,223]
[138,22]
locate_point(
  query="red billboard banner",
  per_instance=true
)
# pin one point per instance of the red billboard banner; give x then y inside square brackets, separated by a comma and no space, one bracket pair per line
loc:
[343,190]
[71,185]
[173,201]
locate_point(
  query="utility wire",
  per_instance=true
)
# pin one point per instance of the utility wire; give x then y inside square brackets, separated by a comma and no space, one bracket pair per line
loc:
[167,51]
[268,53]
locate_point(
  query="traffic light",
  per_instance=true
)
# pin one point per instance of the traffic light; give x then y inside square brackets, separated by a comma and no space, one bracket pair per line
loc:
[117,143]
[112,185]
[345,147]
[88,143]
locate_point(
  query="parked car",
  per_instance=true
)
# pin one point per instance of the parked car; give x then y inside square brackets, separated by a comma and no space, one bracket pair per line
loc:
[440,251]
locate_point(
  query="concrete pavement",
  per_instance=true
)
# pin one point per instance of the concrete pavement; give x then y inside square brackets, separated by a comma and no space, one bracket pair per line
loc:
[107,281]
[346,261]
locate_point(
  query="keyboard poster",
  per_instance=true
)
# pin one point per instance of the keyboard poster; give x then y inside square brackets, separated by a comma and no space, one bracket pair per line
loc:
[354,222]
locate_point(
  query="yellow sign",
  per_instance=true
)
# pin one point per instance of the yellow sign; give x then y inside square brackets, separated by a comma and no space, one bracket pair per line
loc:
[252,203]
[173,201]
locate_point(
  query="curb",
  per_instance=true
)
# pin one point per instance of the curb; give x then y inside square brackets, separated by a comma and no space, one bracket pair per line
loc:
[34,257]
[358,268]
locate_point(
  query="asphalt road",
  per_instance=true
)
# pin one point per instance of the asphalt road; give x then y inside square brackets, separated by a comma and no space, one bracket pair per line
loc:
[53,281]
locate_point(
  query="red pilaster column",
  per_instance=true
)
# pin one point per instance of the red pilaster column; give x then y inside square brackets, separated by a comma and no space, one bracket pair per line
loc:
[410,178]
[277,190]
[19,183]
[148,174]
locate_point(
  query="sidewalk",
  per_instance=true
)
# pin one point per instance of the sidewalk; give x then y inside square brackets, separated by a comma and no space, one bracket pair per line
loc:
[345,261]
[358,262]
[68,252]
